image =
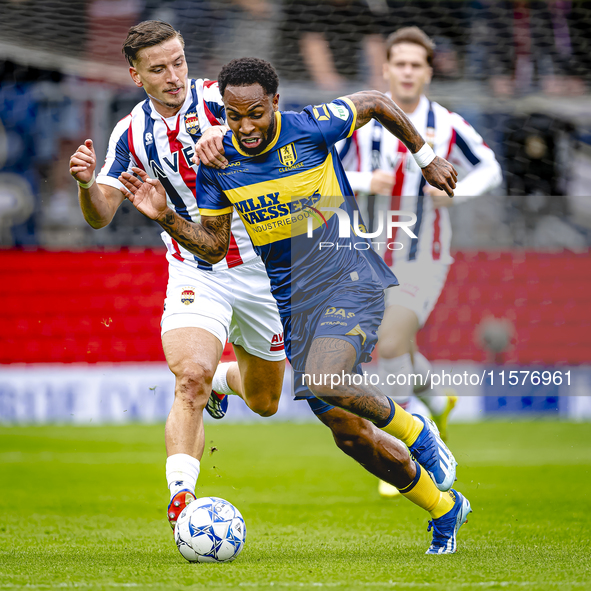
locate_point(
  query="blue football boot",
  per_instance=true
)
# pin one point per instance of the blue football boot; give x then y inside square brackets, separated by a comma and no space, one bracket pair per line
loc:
[433,455]
[217,405]
[446,527]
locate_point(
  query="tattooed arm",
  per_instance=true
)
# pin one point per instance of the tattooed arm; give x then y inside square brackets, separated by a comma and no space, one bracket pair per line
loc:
[208,240]
[371,104]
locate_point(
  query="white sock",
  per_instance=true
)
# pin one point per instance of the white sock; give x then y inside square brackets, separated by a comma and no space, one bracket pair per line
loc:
[432,398]
[220,379]
[182,471]
[398,370]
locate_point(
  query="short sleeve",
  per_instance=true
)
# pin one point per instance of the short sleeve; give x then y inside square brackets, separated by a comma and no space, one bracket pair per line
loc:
[335,121]
[211,200]
[119,158]
[212,103]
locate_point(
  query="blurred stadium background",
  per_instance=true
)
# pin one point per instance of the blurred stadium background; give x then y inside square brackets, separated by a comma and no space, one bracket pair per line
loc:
[80,308]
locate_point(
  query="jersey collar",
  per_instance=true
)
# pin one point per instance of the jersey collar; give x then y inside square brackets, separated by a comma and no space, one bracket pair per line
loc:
[269,147]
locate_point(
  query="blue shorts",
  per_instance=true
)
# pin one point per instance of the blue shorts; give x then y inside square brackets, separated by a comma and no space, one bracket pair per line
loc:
[353,314]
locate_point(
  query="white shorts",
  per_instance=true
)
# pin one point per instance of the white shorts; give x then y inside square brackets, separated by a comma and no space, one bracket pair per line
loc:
[420,287]
[234,304]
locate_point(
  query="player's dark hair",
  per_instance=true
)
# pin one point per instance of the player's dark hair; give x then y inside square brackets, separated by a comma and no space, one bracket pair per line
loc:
[148,34]
[411,35]
[247,71]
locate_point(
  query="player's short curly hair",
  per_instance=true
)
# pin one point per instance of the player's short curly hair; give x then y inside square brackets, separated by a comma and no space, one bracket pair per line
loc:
[148,34]
[246,71]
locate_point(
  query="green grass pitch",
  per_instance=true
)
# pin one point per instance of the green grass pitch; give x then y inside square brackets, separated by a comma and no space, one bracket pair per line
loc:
[85,508]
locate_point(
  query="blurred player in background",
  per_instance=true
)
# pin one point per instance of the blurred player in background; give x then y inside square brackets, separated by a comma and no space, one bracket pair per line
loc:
[282,166]
[206,304]
[377,162]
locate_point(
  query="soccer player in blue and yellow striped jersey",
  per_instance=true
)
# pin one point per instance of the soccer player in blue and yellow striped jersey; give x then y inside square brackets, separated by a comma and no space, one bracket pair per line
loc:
[283,177]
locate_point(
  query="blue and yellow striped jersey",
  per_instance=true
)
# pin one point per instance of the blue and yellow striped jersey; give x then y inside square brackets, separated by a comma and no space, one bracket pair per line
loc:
[287,197]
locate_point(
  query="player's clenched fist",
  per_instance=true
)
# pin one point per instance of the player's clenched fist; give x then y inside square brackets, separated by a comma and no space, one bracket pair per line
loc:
[147,195]
[441,174]
[83,162]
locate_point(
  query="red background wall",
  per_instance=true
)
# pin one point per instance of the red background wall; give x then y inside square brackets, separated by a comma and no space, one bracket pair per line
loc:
[64,307]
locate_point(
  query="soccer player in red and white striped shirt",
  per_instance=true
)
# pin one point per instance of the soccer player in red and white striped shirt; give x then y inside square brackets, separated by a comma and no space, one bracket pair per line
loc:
[378,163]
[206,304]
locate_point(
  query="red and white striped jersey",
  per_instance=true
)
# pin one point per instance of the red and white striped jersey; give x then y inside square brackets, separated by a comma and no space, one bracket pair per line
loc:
[164,148]
[372,147]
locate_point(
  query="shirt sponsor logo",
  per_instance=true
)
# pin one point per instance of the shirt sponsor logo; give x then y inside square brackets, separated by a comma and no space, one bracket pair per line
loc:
[268,207]
[231,172]
[173,164]
[277,342]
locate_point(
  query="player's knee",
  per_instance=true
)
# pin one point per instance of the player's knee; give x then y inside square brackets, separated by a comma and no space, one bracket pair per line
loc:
[193,384]
[264,406]
[262,395]
[267,409]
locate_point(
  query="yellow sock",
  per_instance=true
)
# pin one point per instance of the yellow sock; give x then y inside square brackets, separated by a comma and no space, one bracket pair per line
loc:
[403,425]
[423,492]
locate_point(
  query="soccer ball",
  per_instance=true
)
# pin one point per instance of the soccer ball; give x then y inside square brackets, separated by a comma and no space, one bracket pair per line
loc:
[210,530]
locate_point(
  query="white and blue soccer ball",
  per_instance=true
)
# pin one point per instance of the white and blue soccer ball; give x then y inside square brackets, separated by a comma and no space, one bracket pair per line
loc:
[210,530]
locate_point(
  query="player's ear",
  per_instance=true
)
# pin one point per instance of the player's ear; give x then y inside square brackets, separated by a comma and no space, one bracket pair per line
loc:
[135,77]
[276,102]
[430,75]
[385,71]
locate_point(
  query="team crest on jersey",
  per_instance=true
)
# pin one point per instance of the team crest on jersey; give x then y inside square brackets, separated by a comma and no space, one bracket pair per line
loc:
[192,122]
[288,155]
[430,136]
[188,295]
[149,138]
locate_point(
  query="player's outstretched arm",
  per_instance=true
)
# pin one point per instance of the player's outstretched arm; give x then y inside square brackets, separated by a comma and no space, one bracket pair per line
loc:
[371,104]
[98,203]
[208,240]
